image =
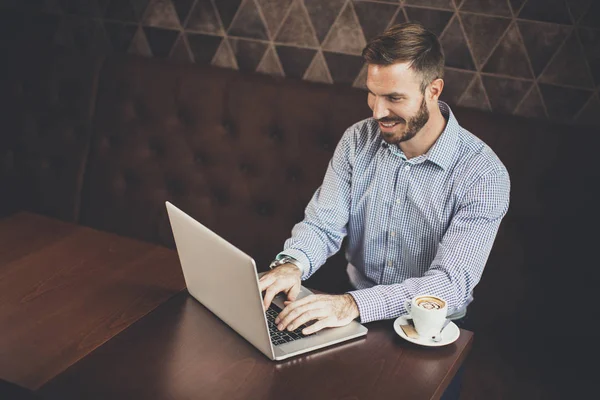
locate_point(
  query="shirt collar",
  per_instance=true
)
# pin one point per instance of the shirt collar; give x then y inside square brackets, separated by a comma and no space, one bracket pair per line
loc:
[442,151]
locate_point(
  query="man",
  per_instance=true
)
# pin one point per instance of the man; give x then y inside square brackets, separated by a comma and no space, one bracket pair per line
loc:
[420,198]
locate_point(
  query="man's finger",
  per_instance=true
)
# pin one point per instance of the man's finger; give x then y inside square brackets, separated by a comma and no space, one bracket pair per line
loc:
[265,281]
[293,292]
[270,294]
[307,316]
[291,305]
[317,326]
[293,312]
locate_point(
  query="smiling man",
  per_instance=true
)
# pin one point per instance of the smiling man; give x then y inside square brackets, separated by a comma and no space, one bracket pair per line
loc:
[419,197]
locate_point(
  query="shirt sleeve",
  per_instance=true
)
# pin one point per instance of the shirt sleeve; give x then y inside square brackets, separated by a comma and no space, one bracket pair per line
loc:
[325,223]
[460,258]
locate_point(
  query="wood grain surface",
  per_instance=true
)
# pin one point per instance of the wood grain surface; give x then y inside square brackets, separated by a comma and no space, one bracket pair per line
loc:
[67,289]
[182,351]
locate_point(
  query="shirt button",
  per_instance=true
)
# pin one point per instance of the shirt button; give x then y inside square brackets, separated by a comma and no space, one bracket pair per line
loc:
[398,201]
[389,263]
[392,233]
[406,167]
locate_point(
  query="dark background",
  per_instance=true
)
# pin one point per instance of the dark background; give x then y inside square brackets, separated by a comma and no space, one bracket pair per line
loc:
[536,58]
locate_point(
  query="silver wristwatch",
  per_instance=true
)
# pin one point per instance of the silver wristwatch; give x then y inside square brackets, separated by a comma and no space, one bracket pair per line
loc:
[286,260]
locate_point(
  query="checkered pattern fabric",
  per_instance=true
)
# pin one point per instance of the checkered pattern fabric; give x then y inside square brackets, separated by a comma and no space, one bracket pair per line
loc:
[415,226]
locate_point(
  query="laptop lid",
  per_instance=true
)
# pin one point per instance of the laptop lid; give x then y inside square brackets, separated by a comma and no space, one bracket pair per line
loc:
[222,278]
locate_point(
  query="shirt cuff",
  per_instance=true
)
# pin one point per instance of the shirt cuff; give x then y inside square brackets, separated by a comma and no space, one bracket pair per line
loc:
[372,305]
[300,257]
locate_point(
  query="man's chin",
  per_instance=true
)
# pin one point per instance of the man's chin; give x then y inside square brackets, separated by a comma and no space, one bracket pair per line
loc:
[389,139]
[392,137]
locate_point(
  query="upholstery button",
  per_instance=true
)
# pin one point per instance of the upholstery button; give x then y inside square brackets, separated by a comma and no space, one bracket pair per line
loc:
[220,197]
[156,148]
[201,159]
[69,133]
[140,110]
[264,209]
[228,127]
[275,135]
[128,111]
[175,187]
[244,167]
[184,117]
[57,164]
[113,140]
[130,178]
[103,142]
[120,184]
[293,174]
[44,164]
[123,89]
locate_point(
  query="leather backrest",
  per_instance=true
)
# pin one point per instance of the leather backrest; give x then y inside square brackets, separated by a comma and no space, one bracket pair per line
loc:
[242,154]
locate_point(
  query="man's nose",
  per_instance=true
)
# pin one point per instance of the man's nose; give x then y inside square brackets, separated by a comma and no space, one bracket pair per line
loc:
[379,109]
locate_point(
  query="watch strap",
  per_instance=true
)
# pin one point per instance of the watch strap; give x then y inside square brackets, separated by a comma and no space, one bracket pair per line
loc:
[286,260]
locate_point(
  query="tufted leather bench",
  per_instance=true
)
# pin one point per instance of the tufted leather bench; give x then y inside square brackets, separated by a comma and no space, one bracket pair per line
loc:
[104,142]
[241,153]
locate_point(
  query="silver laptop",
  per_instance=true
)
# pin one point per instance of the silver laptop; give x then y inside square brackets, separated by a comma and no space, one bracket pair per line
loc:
[224,279]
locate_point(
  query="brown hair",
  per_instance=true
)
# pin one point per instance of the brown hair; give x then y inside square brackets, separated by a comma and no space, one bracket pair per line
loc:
[412,43]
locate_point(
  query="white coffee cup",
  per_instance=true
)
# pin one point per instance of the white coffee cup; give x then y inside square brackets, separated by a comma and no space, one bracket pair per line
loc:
[428,314]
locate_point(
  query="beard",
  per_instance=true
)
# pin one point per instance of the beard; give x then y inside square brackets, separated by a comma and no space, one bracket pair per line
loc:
[413,126]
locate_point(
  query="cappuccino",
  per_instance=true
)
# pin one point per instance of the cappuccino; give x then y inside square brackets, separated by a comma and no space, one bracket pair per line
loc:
[430,303]
[428,314]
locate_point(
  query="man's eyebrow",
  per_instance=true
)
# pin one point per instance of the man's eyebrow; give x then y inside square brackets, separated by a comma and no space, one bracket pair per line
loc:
[393,94]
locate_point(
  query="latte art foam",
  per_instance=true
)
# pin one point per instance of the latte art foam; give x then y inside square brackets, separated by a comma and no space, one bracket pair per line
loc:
[430,303]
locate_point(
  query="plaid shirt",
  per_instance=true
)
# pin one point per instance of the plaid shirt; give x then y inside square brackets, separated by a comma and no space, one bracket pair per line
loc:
[415,226]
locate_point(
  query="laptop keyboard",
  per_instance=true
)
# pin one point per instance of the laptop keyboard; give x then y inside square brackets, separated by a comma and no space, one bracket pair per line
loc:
[281,337]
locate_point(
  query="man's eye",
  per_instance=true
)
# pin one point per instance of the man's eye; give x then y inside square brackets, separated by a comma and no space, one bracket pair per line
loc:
[395,99]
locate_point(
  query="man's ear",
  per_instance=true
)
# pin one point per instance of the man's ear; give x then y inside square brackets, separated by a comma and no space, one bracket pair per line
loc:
[435,89]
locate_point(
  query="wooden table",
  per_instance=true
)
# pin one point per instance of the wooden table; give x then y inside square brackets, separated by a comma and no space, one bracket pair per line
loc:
[67,289]
[179,350]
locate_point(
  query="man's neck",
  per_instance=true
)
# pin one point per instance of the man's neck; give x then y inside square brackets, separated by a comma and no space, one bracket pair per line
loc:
[426,137]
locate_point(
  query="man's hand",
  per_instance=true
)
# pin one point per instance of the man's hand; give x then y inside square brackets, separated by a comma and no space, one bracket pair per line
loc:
[284,278]
[328,311]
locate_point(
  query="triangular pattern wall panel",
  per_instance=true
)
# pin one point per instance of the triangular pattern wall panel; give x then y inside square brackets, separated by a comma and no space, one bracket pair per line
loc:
[535,58]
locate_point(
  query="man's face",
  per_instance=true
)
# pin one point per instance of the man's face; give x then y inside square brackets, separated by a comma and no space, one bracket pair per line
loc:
[397,102]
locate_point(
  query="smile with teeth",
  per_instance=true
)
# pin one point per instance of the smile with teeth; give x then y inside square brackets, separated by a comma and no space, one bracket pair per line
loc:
[389,124]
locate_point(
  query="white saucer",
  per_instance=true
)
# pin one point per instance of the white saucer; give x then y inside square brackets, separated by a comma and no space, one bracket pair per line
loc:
[449,334]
